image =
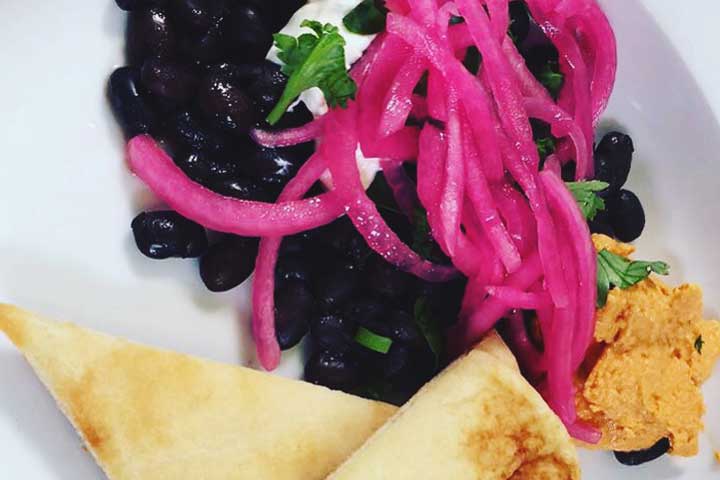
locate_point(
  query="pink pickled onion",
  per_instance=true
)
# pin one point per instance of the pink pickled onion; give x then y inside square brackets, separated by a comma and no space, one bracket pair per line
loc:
[240,217]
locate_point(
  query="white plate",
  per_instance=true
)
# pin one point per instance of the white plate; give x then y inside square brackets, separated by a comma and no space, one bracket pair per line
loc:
[66,201]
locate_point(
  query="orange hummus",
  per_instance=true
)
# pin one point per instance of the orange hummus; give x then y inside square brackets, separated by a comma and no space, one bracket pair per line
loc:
[653,350]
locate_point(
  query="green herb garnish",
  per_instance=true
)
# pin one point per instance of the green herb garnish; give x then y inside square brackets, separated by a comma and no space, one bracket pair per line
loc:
[616,271]
[429,327]
[373,341]
[368,18]
[551,78]
[699,343]
[456,20]
[313,60]
[585,194]
[545,146]
[422,241]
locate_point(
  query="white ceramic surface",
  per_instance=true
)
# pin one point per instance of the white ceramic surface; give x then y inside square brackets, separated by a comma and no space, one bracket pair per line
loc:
[66,202]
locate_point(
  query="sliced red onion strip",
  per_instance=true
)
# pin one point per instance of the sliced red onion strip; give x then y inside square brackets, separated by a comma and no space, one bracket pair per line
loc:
[516,298]
[263,295]
[292,136]
[223,214]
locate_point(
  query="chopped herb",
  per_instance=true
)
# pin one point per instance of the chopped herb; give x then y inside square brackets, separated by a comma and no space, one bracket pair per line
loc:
[616,271]
[422,241]
[373,341]
[545,146]
[313,60]
[429,327]
[699,343]
[551,78]
[368,18]
[455,20]
[585,194]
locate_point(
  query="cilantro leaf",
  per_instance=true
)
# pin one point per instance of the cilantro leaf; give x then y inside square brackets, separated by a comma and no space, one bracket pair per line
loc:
[368,18]
[551,78]
[699,343]
[373,341]
[617,271]
[429,327]
[422,241]
[545,146]
[585,194]
[313,60]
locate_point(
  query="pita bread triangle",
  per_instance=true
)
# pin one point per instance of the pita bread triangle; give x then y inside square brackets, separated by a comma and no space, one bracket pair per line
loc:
[478,420]
[149,414]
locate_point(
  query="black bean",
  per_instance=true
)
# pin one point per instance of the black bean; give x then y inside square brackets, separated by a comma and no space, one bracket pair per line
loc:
[194,135]
[335,235]
[248,37]
[199,15]
[275,165]
[365,311]
[240,188]
[396,362]
[334,288]
[171,82]
[569,171]
[130,5]
[228,263]
[294,267]
[333,331]
[205,47]
[386,279]
[265,83]
[334,369]
[209,170]
[293,309]
[401,328]
[643,456]
[149,34]
[277,12]
[601,224]
[166,234]
[223,102]
[445,300]
[613,159]
[519,21]
[627,216]
[129,103]
[539,56]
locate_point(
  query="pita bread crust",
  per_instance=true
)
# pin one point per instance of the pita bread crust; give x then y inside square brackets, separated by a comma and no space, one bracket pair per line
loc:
[149,414]
[478,420]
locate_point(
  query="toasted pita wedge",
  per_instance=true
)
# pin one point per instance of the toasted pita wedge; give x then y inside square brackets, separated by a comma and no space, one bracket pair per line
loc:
[478,420]
[148,414]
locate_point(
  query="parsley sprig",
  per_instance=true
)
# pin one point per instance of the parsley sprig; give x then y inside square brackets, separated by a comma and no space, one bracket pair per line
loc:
[585,194]
[616,271]
[313,60]
[368,18]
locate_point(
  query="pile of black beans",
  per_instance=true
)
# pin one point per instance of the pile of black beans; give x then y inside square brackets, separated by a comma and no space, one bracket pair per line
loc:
[624,216]
[196,80]
[329,284]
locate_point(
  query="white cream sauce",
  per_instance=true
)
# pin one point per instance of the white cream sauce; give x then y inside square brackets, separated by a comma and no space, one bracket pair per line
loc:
[331,11]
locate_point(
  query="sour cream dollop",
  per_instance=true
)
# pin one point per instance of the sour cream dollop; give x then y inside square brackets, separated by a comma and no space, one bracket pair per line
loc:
[331,11]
